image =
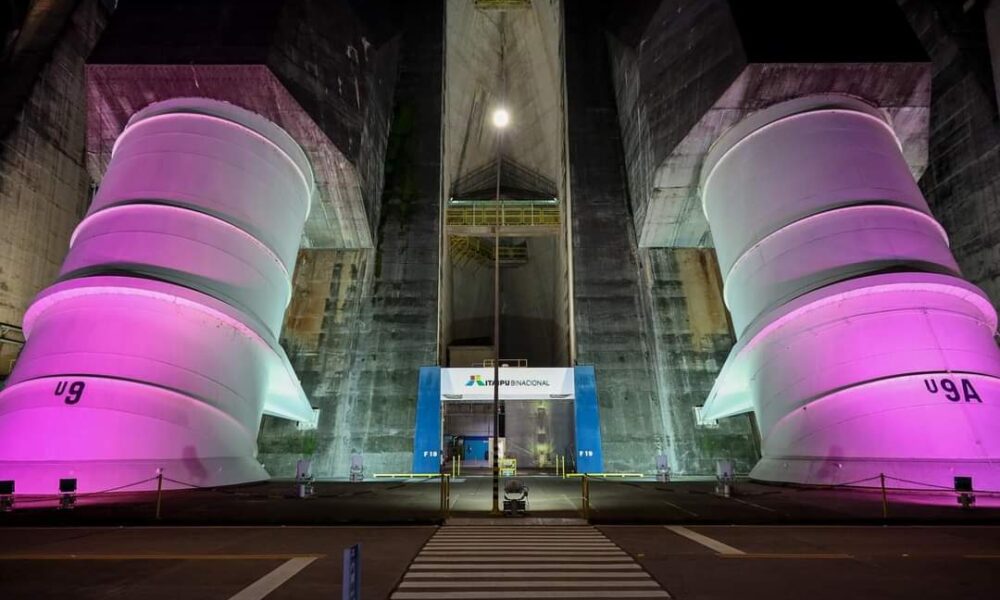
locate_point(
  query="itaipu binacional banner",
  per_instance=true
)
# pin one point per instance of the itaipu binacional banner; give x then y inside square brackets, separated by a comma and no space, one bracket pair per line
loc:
[516,383]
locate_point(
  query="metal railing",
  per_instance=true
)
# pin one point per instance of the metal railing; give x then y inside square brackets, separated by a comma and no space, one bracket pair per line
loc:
[506,362]
[487,214]
[479,250]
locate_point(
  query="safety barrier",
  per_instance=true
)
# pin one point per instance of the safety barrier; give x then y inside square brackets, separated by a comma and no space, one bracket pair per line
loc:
[487,214]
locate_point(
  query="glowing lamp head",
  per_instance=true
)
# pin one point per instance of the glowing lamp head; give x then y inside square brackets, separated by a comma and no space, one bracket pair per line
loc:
[501,118]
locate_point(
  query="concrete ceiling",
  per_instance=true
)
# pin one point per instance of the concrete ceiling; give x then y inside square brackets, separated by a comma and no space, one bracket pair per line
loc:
[529,86]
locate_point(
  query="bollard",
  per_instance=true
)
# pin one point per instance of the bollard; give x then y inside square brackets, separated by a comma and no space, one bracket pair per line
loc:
[885,499]
[445,497]
[159,491]
[351,580]
[459,466]
[585,496]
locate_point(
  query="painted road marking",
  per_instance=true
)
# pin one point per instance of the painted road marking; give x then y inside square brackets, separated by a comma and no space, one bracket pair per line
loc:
[521,551]
[704,540]
[507,573]
[683,510]
[504,562]
[273,580]
[507,583]
[501,558]
[748,503]
[835,556]
[484,566]
[157,556]
[508,595]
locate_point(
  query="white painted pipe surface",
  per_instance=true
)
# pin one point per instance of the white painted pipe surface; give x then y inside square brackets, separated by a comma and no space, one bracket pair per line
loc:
[157,349]
[858,343]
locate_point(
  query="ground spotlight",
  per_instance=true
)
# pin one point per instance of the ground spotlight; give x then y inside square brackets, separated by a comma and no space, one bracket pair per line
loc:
[67,493]
[7,495]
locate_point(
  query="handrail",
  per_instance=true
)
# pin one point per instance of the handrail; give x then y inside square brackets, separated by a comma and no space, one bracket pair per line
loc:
[505,216]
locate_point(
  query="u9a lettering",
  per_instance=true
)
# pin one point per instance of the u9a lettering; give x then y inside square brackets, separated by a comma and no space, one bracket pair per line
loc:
[952,392]
[74,388]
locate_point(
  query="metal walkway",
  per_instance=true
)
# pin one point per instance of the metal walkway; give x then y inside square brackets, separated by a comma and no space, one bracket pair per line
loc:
[523,562]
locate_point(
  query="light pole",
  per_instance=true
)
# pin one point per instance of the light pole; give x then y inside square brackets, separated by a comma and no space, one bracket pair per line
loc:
[501,118]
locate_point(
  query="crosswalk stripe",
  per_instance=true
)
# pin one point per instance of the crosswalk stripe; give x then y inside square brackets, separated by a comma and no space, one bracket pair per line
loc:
[541,543]
[504,583]
[506,573]
[506,563]
[511,595]
[486,566]
[522,552]
[515,559]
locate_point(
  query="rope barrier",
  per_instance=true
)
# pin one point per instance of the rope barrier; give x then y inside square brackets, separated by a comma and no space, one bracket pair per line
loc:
[56,497]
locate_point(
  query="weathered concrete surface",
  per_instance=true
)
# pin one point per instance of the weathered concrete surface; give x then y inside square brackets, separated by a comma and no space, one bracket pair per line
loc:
[43,181]
[315,68]
[692,336]
[379,323]
[611,326]
[527,83]
[962,183]
[651,321]
[992,20]
[699,66]
[29,32]
[510,58]
[531,307]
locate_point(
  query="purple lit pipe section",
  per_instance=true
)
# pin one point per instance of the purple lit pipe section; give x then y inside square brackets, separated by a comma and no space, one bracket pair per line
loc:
[157,347]
[860,349]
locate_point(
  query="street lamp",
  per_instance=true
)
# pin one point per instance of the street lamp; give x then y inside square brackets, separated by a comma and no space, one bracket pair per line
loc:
[501,118]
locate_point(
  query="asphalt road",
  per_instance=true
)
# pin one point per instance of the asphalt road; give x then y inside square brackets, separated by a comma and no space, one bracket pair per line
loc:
[689,562]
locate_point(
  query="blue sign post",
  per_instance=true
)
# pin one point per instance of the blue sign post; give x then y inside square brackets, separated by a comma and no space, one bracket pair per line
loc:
[352,573]
[427,438]
[589,455]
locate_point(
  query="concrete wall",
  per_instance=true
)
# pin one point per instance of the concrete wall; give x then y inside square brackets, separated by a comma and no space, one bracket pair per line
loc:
[962,182]
[322,70]
[612,329]
[530,304]
[44,187]
[380,320]
[669,71]
[651,321]
[692,336]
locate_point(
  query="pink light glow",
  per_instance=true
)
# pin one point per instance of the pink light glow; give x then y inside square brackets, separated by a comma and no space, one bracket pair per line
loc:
[169,362]
[860,350]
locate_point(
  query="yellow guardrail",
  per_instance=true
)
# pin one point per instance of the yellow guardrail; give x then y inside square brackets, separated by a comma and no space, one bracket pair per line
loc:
[606,475]
[473,248]
[508,467]
[506,216]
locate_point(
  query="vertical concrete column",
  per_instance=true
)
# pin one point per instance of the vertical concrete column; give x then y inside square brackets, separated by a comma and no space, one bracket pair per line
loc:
[992,16]
[157,347]
[859,347]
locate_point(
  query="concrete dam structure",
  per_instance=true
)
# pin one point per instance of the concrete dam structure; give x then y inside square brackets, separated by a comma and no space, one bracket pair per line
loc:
[242,234]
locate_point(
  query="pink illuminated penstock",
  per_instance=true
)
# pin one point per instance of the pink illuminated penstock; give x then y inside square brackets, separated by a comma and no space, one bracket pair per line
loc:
[860,349]
[157,349]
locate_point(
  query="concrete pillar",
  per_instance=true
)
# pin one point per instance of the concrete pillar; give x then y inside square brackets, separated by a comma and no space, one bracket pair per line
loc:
[992,16]
[157,347]
[859,347]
